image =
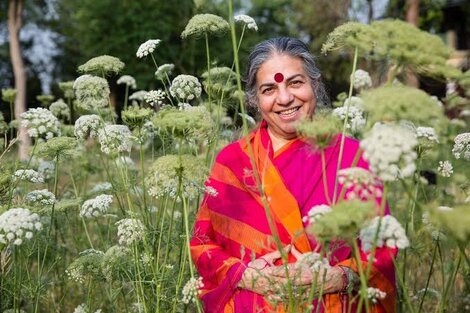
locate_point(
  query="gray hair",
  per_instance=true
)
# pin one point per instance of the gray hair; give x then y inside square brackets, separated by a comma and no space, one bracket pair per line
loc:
[283,45]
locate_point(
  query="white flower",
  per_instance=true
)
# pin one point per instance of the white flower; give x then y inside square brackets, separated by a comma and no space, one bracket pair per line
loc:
[427,136]
[138,96]
[375,294]
[60,109]
[248,20]
[356,120]
[389,148]
[130,230]
[29,175]
[316,212]
[46,168]
[92,92]
[127,80]
[102,187]
[96,207]
[211,191]
[18,224]
[87,125]
[40,123]
[462,146]
[354,102]
[80,309]
[147,47]
[391,234]
[445,168]
[192,289]
[41,197]
[359,183]
[185,87]
[115,138]
[164,71]
[155,97]
[361,80]
[313,260]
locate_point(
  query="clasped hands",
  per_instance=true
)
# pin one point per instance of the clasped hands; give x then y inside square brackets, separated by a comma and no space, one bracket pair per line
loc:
[263,277]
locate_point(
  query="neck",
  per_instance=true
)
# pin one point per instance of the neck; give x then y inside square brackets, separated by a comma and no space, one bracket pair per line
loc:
[277,141]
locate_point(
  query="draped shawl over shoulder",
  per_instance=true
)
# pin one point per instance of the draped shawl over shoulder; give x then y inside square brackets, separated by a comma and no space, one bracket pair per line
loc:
[232,226]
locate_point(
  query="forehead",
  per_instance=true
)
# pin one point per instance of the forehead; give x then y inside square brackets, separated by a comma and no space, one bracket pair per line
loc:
[279,63]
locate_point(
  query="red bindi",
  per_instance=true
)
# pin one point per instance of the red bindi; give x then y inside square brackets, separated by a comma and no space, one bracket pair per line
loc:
[278,77]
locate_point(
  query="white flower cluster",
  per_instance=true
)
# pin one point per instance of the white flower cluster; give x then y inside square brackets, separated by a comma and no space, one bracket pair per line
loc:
[164,70]
[354,102]
[426,136]
[389,148]
[92,92]
[192,289]
[97,206]
[211,191]
[18,224]
[147,47]
[115,138]
[41,197]
[155,97]
[127,80]
[359,183]
[102,187]
[130,230]
[81,308]
[60,109]
[445,168]
[41,123]
[248,20]
[315,213]
[139,95]
[46,168]
[185,87]
[462,146]
[87,125]
[391,234]
[314,261]
[375,294]
[29,175]
[356,120]
[361,80]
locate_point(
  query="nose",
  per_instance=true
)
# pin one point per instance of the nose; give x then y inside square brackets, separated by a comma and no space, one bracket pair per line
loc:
[284,96]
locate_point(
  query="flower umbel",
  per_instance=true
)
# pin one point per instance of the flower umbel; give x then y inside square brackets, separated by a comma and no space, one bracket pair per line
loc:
[102,65]
[18,224]
[390,234]
[445,168]
[87,125]
[185,87]
[130,230]
[462,146]
[201,24]
[41,123]
[97,206]
[247,20]
[92,92]
[147,47]
[192,289]
[115,138]
[127,80]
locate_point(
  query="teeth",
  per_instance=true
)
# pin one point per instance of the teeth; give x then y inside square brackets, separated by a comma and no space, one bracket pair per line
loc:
[287,112]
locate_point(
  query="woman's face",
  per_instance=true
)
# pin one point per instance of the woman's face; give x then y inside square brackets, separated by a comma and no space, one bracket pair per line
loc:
[283,103]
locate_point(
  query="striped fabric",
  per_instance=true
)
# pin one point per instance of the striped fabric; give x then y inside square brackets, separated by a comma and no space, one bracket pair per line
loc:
[232,226]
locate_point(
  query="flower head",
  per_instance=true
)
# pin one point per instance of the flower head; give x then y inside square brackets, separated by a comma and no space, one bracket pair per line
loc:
[356,119]
[40,198]
[9,95]
[314,261]
[41,123]
[45,100]
[427,136]
[375,294]
[247,20]
[167,172]
[138,96]
[445,168]
[130,230]
[389,148]
[164,71]
[29,175]
[147,47]
[86,267]
[135,116]
[58,146]
[18,224]
[60,109]
[201,24]
[192,289]
[127,80]
[117,261]
[359,183]
[390,234]
[155,97]
[87,125]
[97,206]
[102,65]
[185,87]
[462,146]
[361,80]
[316,212]
[321,128]
[115,138]
[67,89]
[92,92]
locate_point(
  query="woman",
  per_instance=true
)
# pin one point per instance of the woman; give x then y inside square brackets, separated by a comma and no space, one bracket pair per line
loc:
[233,245]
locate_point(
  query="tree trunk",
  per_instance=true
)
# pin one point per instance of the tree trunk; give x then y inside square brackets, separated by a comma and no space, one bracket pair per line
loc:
[15,21]
[412,16]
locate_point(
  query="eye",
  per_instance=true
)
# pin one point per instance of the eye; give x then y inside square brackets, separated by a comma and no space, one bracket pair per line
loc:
[296,82]
[267,90]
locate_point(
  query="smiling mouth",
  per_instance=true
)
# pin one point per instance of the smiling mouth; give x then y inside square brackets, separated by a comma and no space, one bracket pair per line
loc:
[288,112]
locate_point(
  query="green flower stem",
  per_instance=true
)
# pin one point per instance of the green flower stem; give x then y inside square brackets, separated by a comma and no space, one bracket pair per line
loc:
[403,287]
[139,282]
[109,177]
[324,179]
[208,57]
[169,233]
[182,264]
[341,148]
[362,278]
[142,167]
[87,234]
[126,96]
[429,276]
[56,182]
[443,303]
[259,185]
[12,117]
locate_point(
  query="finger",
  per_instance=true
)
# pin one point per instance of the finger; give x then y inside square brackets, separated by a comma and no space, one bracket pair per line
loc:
[295,252]
[273,256]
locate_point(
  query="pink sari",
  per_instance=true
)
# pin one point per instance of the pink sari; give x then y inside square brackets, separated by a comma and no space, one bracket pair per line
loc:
[232,226]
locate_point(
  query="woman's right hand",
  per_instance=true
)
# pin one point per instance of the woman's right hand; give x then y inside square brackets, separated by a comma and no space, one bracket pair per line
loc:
[257,276]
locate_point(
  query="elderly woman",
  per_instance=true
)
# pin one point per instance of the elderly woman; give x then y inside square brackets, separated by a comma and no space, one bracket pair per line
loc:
[233,245]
